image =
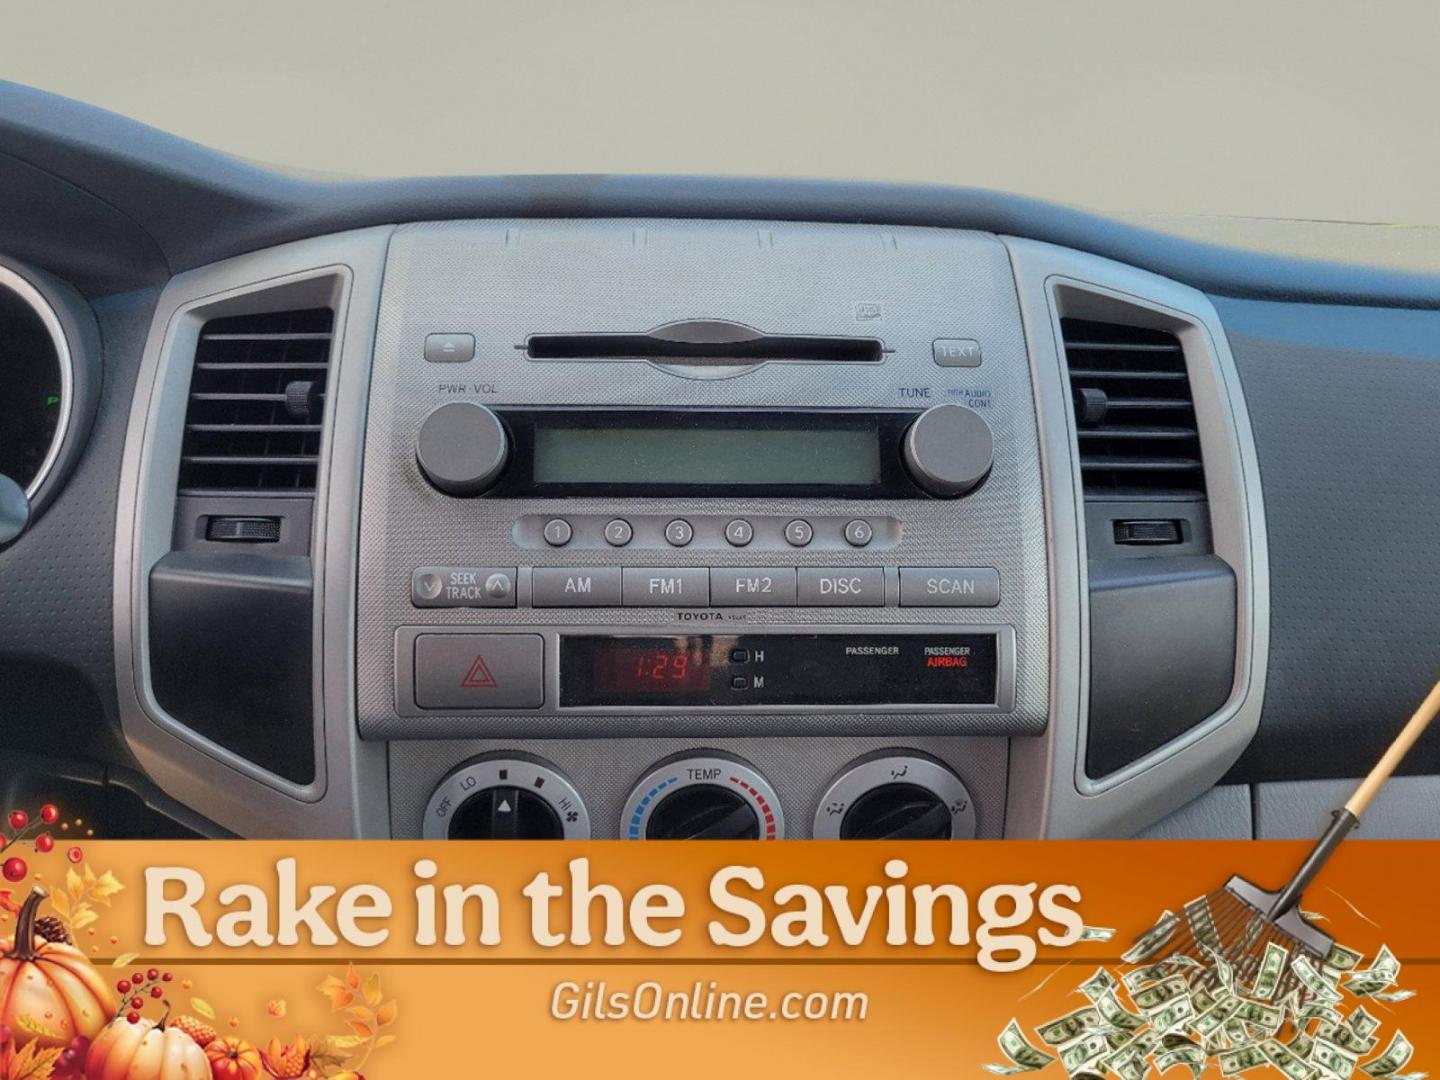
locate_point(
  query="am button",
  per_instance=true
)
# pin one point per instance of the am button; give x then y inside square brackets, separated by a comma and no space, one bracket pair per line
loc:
[949,586]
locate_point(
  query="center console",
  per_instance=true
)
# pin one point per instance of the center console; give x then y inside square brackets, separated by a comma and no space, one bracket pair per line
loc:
[684,529]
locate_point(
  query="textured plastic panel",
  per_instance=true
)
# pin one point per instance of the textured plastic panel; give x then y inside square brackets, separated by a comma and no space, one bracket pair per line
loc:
[505,280]
[1407,808]
[1343,405]
[1222,813]
[604,771]
[56,634]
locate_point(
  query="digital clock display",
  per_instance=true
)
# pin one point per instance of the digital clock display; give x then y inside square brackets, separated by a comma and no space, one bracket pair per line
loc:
[652,669]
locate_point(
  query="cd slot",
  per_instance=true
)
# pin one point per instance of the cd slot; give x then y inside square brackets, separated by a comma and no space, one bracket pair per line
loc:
[704,345]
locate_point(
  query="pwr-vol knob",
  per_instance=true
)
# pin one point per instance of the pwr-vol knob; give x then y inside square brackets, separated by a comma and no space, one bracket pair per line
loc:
[896,795]
[462,448]
[708,796]
[949,449]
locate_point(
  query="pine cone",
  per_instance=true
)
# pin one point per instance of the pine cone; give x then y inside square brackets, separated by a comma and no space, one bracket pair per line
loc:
[52,929]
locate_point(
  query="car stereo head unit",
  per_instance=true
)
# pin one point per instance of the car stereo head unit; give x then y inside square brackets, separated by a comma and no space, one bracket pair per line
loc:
[727,478]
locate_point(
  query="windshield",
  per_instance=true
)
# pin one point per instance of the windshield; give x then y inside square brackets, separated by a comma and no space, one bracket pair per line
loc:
[1221,108]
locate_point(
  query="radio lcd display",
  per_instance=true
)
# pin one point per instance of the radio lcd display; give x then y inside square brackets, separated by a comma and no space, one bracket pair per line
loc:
[719,670]
[761,456]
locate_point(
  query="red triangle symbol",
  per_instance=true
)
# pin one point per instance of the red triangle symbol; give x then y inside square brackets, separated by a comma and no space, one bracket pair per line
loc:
[478,677]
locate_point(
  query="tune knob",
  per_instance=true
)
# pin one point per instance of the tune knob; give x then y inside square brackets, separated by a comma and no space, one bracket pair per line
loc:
[462,448]
[949,450]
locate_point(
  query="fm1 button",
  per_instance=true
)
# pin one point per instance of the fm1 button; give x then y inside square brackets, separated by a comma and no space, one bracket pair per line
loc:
[645,586]
[479,671]
[861,586]
[941,586]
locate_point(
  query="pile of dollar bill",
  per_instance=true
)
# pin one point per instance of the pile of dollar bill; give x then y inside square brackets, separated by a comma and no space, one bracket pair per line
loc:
[1195,1012]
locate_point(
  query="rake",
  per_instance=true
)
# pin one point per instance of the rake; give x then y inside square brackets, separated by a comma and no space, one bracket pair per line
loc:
[1237,922]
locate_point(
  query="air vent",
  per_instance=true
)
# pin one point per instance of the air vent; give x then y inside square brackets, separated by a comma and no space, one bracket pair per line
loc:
[257,398]
[1134,414]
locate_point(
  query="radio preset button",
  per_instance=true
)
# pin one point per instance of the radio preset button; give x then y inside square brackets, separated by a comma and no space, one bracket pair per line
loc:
[799,532]
[463,586]
[739,532]
[824,586]
[558,532]
[679,532]
[479,671]
[859,532]
[618,532]
[565,586]
[753,586]
[949,586]
[646,586]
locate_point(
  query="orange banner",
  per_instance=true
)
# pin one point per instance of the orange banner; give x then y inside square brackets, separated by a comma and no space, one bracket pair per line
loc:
[398,959]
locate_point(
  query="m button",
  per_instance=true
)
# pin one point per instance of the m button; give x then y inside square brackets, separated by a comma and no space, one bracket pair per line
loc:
[479,671]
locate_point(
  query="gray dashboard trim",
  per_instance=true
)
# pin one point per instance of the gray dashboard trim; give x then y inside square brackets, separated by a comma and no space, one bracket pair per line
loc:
[1050,280]
[161,204]
[234,793]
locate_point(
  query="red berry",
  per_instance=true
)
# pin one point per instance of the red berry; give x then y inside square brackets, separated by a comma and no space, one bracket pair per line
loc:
[123,986]
[75,854]
[157,993]
[68,1058]
[19,819]
[166,977]
[15,869]
[49,813]
[44,843]
[138,978]
[152,974]
[133,1017]
[137,1003]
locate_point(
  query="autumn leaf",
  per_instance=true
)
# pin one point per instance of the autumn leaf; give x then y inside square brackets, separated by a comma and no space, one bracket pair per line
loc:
[74,885]
[339,994]
[35,1027]
[124,959]
[344,1042]
[105,887]
[203,1007]
[365,1031]
[372,990]
[61,903]
[386,1013]
[7,902]
[384,1040]
[83,917]
[352,977]
[88,876]
[33,1063]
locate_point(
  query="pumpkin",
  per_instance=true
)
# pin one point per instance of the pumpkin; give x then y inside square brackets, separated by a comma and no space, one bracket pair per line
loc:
[233,1059]
[50,984]
[145,1051]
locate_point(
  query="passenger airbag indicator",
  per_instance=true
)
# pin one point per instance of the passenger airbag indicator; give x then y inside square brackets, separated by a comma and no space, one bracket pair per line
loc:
[721,670]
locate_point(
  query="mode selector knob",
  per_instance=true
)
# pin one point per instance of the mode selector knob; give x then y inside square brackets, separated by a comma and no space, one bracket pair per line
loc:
[949,450]
[462,448]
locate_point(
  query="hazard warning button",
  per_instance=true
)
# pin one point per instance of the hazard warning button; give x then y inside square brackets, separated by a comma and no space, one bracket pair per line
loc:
[479,671]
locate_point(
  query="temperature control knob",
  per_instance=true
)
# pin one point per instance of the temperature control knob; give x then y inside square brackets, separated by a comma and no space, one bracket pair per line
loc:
[896,795]
[949,450]
[703,796]
[462,448]
[507,796]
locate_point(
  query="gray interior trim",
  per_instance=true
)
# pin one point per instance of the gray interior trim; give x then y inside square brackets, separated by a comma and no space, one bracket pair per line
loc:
[344,271]
[27,292]
[1051,282]
[1222,813]
[1407,807]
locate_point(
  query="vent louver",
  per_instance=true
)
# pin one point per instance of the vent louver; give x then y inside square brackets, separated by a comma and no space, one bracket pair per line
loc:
[257,397]
[1134,415]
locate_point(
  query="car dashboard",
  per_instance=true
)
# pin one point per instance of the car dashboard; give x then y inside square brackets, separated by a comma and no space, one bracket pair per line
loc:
[686,508]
